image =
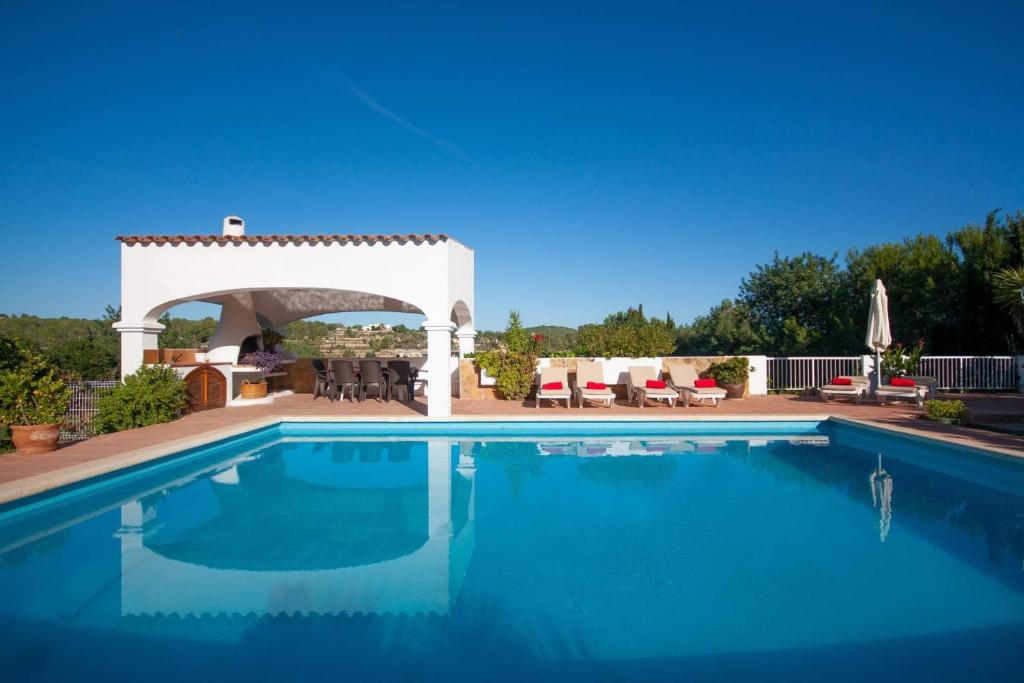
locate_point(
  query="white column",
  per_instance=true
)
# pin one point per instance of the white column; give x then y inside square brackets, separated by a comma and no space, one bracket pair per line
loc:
[136,337]
[439,487]
[758,381]
[467,341]
[439,368]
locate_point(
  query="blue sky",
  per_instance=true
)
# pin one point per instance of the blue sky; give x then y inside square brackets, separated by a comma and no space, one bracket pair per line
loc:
[577,141]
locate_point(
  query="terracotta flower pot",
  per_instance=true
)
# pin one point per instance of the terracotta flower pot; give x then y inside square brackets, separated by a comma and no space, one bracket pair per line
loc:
[733,390]
[35,438]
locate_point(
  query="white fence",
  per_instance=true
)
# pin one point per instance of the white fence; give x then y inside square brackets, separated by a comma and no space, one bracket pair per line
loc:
[954,373]
[796,373]
[964,373]
[78,420]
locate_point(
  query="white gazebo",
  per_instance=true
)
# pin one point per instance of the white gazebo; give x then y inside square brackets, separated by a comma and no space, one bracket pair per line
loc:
[268,281]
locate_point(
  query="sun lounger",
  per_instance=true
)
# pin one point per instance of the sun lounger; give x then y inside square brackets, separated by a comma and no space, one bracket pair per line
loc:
[640,392]
[857,389]
[915,393]
[590,371]
[549,377]
[931,384]
[682,377]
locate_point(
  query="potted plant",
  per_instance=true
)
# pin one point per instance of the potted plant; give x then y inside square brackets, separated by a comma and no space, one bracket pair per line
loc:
[266,361]
[33,398]
[731,375]
[946,412]
[898,361]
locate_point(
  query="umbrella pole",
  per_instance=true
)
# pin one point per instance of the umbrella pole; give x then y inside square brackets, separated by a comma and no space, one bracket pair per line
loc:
[877,380]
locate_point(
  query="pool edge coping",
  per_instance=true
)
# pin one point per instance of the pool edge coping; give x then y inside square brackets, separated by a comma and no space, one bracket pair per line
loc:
[27,487]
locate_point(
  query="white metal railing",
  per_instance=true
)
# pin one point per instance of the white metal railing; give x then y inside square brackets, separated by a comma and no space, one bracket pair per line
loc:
[78,420]
[795,373]
[964,373]
[958,373]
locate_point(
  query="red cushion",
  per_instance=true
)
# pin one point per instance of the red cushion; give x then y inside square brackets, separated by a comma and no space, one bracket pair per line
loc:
[902,382]
[841,381]
[704,383]
[551,386]
[655,384]
[596,385]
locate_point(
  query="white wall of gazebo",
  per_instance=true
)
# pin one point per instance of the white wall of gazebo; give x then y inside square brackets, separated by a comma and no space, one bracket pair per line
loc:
[268,281]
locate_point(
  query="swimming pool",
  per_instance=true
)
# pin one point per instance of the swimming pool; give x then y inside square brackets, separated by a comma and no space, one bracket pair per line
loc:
[504,551]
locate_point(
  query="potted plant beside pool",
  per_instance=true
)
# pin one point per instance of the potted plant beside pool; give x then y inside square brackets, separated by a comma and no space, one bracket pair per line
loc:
[731,375]
[33,398]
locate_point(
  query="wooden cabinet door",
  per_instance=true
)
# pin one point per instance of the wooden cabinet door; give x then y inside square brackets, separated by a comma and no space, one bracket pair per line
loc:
[207,388]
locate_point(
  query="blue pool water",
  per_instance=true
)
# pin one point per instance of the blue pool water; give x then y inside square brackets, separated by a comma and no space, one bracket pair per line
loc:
[617,551]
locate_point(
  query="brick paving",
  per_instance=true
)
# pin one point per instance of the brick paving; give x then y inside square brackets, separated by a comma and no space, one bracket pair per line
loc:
[902,415]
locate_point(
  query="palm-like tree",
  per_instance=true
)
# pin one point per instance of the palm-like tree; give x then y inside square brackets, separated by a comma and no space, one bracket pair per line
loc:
[1009,293]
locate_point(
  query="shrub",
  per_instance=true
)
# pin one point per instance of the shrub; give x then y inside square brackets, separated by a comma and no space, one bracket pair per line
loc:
[515,366]
[897,361]
[513,372]
[736,370]
[32,392]
[629,334]
[946,410]
[151,395]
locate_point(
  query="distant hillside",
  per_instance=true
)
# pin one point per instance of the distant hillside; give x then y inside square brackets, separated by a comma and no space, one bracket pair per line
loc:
[556,337]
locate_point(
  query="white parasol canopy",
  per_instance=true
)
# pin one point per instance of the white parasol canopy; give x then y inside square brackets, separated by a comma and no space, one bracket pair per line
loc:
[879,336]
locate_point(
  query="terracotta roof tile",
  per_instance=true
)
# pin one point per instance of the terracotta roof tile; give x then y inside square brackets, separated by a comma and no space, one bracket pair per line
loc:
[281,239]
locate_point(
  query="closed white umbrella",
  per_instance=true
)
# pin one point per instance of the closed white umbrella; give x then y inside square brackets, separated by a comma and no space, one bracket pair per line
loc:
[881,498]
[879,337]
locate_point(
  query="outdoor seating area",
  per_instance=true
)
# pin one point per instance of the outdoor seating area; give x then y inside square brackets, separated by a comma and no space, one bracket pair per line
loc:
[365,378]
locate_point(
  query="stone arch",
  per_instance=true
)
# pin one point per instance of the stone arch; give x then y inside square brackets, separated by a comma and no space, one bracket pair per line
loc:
[461,315]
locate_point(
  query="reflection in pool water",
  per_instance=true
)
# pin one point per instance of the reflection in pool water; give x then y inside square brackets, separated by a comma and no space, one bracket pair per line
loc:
[640,558]
[339,527]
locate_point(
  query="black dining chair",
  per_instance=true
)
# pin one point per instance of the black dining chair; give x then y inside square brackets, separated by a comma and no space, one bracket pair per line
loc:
[400,376]
[323,381]
[345,376]
[371,374]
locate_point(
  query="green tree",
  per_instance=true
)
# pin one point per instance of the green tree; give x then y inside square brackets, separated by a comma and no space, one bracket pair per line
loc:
[1009,294]
[516,339]
[725,330]
[921,276]
[629,334]
[984,251]
[794,303]
[182,333]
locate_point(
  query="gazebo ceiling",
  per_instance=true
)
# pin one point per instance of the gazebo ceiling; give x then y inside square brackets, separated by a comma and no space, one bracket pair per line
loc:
[283,306]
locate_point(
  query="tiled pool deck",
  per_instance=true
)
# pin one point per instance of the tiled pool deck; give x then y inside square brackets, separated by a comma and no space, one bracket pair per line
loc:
[22,475]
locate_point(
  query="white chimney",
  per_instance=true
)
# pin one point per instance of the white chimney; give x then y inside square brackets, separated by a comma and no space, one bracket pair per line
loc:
[234,227]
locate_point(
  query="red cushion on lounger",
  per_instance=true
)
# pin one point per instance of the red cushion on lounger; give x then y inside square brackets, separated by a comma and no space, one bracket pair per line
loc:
[705,383]
[901,382]
[655,384]
[596,385]
[551,386]
[841,381]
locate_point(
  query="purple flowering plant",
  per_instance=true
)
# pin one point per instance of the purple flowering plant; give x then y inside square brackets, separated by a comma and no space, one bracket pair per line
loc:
[267,361]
